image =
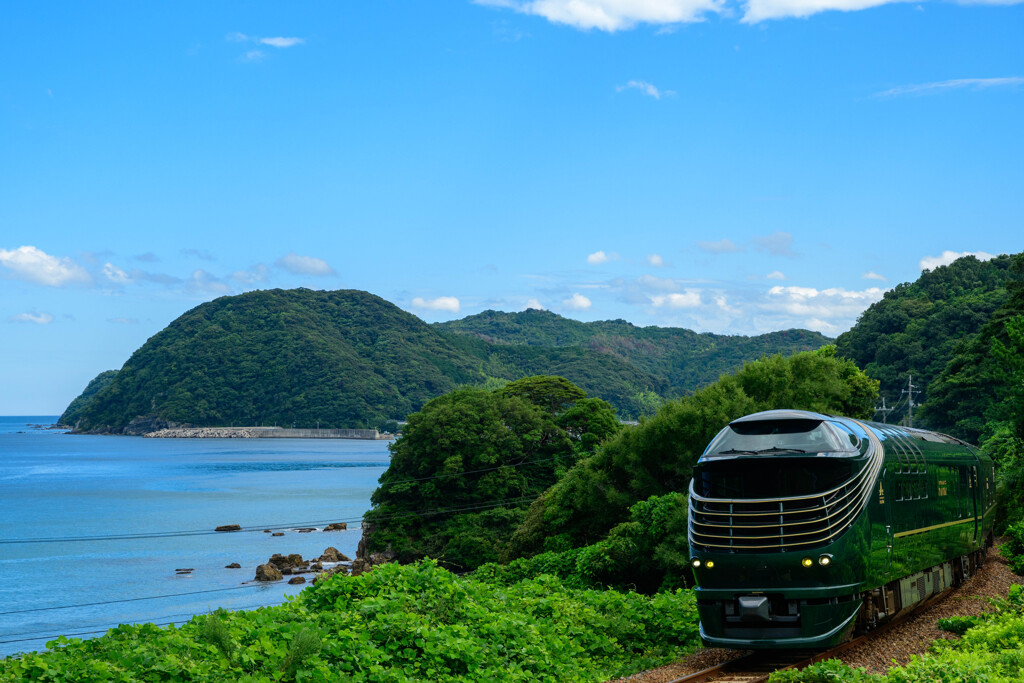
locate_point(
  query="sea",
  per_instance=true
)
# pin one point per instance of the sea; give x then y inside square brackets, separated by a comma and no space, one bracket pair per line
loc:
[94,530]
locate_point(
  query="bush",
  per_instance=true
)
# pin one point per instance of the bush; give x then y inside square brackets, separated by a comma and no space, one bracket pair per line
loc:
[396,623]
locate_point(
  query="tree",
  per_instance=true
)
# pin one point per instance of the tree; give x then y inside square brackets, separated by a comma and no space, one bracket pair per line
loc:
[657,457]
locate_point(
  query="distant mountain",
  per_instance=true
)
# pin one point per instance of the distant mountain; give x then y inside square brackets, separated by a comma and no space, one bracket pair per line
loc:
[916,327]
[682,359]
[351,359]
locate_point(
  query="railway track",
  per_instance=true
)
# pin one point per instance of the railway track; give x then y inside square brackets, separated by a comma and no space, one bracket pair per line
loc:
[757,667]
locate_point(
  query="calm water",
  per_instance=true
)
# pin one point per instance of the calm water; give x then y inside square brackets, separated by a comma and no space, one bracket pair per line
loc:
[53,485]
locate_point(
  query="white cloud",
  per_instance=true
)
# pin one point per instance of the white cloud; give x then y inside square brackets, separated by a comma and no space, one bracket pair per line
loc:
[656,260]
[253,56]
[597,257]
[808,302]
[37,318]
[280,41]
[759,10]
[954,84]
[777,244]
[947,257]
[688,299]
[115,274]
[304,265]
[256,274]
[872,275]
[236,37]
[534,304]
[35,265]
[577,302]
[123,321]
[441,303]
[646,88]
[655,282]
[776,275]
[612,15]
[723,246]
[203,282]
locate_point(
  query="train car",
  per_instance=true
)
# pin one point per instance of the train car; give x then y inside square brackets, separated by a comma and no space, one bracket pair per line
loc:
[804,527]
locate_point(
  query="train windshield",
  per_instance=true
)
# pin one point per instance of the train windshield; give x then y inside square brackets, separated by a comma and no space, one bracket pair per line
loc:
[770,478]
[767,437]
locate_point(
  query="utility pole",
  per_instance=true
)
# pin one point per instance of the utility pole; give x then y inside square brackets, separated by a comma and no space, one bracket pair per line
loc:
[884,411]
[911,391]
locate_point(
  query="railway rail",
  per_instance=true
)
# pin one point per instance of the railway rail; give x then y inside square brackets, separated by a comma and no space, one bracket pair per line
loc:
[758,666]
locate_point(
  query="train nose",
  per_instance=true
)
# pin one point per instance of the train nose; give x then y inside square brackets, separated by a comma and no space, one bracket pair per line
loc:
[754,608]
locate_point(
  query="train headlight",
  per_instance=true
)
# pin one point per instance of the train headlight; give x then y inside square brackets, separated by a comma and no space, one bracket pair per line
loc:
[825,560]
[710,564]
[695,563]
[807,562]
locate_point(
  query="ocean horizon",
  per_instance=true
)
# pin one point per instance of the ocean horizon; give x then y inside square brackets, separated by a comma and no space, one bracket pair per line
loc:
[95,528]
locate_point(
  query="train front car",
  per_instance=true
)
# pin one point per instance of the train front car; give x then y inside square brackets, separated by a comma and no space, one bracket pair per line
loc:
[780,536]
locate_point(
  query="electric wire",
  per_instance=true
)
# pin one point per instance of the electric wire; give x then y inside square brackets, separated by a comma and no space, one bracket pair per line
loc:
[252,528]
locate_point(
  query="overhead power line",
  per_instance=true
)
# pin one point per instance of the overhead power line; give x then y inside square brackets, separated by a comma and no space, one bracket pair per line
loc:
[148,597]
[260,527]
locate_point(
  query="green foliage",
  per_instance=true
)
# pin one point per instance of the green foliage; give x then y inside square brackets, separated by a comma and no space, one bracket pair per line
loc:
[647,553]
[304,645]
[916,327]
[957,625]
[981,388]
[74,410]
[213,629]
[657,457]
[829,671]
[481,457]
[1013,548]
[394,624]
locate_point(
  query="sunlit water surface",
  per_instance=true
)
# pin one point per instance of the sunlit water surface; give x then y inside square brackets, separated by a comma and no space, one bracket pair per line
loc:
[55,485]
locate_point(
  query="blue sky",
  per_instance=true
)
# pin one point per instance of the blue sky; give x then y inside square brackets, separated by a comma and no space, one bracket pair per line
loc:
[724,166]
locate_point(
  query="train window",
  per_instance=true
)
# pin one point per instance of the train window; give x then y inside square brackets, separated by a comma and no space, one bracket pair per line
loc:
[770,477]
[777,436]
[847,432]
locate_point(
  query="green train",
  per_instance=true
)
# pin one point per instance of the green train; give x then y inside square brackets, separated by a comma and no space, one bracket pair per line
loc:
[804,528]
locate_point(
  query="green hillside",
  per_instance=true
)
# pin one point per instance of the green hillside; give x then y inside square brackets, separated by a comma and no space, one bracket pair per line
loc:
[343,359]
[916,327]
[349,359]
[682,359]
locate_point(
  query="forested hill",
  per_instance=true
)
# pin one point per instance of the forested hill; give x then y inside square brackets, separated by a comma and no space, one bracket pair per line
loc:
[682,358]
[917,326]
[350,359]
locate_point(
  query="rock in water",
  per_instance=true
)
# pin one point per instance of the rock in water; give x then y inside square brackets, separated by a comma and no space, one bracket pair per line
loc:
[268,572]
[331,554]
[229,527]
[336,526]
[297,579]
[233,565]
[279,533]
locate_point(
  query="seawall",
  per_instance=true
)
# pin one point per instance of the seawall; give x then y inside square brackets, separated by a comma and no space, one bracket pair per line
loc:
[265,433]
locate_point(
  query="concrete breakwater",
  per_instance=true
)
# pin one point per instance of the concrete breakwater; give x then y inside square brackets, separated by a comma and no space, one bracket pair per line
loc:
[265,433]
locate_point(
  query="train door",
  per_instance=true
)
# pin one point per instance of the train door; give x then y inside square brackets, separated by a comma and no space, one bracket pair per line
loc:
[975,492]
